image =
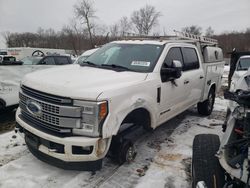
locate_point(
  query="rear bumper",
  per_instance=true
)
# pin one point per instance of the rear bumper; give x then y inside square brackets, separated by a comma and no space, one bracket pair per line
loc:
[62,150]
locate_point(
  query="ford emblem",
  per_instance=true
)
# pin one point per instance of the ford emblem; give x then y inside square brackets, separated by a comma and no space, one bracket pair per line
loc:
[34,108]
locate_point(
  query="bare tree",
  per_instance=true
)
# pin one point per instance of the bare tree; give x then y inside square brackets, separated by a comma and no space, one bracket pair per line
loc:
[114,30]
[125,25]
[209,32]
[248,30]
[85,11]
[193,29]
[145,19]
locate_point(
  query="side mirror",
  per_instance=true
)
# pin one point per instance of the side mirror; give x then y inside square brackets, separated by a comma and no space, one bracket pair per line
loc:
[172,73]
[177,65]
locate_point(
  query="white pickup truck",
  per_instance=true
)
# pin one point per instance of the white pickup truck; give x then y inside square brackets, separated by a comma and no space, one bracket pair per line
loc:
[242,67]
[71,115]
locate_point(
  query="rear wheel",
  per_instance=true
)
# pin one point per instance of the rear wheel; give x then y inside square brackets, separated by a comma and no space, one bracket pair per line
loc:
[205,165]
[206,107]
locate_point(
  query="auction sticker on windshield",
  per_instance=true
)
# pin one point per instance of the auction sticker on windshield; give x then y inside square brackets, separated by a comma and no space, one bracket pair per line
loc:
[141,63]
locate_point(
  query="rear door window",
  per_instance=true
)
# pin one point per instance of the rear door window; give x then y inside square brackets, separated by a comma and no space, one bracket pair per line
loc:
[191,60]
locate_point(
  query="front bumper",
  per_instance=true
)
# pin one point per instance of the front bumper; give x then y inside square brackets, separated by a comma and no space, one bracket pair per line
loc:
[67,154]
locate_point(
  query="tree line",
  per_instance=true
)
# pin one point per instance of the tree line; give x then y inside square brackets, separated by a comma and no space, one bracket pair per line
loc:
[84,33]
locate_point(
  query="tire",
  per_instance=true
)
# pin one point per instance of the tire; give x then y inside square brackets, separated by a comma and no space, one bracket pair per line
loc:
[38,53]
[206,107]
[205,165]
[127,152]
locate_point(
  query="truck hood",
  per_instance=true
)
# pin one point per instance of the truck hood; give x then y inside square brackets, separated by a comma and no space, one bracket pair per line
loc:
[78,82]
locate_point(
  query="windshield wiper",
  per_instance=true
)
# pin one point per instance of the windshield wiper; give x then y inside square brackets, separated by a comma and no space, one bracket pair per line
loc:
[116,66]
[88,63]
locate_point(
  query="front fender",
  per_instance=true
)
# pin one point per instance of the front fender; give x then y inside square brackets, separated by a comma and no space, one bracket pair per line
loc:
[120,109]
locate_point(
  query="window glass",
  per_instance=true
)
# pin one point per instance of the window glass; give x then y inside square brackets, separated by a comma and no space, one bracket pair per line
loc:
[244,64]
[191,60]
[48,61]
[31,60]
[62,60]
[135,57]
[173,54]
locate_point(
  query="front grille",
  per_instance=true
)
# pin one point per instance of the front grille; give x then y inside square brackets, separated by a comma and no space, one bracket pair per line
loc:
[53,130]
[33,121]
[46,97]
[45,107]
[53,117]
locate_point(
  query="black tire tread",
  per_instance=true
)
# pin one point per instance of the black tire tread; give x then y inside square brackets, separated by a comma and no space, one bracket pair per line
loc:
[203,106]
[205,165]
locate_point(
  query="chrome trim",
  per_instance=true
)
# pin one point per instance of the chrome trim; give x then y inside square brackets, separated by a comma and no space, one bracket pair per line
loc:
[45,96]
[68,111]
[26,117]
[54,120]
[201,184]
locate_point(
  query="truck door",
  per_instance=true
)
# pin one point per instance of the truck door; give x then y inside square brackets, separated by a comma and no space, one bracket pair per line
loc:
[194,73]
[173,93]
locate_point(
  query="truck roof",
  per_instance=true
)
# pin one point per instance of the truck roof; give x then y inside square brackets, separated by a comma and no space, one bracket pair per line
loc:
[245,56]
[154,42]
[180,37]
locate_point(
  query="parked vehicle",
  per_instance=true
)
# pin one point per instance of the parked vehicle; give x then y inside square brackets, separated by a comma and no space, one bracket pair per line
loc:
[226,163]
[22,52]
[71,116]
[6,59]
[85,55]
[11,76]
[242,66]
[235,56]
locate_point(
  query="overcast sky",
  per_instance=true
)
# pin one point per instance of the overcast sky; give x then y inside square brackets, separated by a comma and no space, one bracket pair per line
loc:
[221,15]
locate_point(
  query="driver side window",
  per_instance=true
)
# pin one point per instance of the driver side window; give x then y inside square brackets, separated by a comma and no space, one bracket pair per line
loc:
[173,54]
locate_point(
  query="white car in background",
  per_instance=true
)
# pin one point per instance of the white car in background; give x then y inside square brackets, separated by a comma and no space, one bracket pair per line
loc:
[242,66]
[85,55]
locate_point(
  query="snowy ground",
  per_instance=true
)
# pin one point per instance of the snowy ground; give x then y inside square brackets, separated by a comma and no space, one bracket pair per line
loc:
[163,159]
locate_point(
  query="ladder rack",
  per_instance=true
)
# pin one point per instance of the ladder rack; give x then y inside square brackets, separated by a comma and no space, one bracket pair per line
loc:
[179,36]
[202,39]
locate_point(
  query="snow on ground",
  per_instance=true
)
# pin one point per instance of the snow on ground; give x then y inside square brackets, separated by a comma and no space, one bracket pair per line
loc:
[172,165]
[163,159]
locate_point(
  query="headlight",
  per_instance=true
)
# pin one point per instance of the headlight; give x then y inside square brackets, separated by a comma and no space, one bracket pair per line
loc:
[238,112]
[93,115]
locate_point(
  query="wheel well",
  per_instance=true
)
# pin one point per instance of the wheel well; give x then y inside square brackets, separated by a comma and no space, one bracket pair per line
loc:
[2,104]
[213,87]
[140,117]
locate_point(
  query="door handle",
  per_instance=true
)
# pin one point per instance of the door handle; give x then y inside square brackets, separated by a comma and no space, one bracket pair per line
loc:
[186,82]
[201,77]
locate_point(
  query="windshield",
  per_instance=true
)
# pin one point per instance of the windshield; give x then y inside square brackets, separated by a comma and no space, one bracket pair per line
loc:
[133,57]
[31,60]
[244,64]
[81,59]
